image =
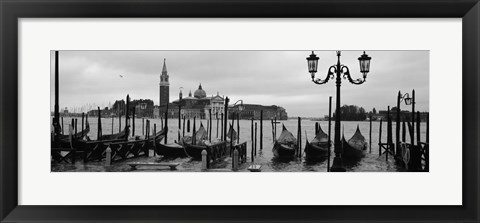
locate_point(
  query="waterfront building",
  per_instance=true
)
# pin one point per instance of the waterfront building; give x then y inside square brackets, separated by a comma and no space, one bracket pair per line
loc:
[199,105]
[253,111]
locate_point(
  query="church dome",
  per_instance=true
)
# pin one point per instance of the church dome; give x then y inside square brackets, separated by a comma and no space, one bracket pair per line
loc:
[200,93]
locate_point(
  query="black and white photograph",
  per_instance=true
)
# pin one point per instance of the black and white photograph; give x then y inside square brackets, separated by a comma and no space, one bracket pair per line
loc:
[239,111]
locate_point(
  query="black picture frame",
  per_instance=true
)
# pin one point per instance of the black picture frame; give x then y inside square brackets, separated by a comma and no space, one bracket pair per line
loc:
[11,11]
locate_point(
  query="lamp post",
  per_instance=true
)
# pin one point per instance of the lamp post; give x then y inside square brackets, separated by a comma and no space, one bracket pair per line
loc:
[408,101]
[240,107]
[339,70]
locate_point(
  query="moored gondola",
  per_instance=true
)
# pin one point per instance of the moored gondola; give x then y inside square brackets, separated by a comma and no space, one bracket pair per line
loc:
[232,134]
[355,147]
[285,146]
[318,147]
[171,150]
[198,143]
[121,135]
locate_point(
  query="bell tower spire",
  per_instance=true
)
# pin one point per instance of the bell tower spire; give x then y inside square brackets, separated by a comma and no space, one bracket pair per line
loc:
[164,94]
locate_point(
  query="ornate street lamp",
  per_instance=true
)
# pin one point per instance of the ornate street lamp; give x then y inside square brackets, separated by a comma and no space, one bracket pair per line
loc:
[240,107]
[339,70]
[406,98]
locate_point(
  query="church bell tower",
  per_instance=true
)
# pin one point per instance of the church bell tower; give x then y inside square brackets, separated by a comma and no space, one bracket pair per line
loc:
[164,86]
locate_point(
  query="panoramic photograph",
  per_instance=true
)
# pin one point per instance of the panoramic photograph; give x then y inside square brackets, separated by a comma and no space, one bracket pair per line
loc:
[240,111]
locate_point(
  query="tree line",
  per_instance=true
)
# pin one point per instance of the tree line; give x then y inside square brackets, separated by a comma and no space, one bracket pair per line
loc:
[352,113]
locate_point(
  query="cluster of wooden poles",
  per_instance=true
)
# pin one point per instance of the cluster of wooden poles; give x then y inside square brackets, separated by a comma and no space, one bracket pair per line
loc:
[417,152]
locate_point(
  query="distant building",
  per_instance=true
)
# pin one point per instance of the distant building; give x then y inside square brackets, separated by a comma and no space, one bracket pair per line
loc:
[143,107]
[197,106]
[253,111]
[404,115]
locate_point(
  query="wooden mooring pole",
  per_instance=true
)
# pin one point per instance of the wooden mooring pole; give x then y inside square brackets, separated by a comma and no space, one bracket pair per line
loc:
[83,121]
[231,137]
[133,123]
[154,141]
[261,129]
[210,128]
[380,139]
[166,125]
[299,138]
[99,125]
[194,131]
[329,131]
[238,128]
[127,117]
[233,129]
[113,120]
[275,123]
[273,134]
[76,127]
[63,132]
[412,131]
[71,129]
[418,128]
[183,129]
[255,138]
[143,126]
[119,122]
[226,118]
[56,117]
[397,126]
[370,136]
[389,134]
[216,117]
[221,129]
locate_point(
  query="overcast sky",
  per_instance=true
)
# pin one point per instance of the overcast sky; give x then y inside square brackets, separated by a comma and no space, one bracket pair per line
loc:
[258,77]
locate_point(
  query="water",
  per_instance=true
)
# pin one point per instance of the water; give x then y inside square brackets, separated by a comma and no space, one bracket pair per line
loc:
[371,162]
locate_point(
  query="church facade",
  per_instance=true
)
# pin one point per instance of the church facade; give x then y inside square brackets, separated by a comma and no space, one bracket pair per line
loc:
[199,105]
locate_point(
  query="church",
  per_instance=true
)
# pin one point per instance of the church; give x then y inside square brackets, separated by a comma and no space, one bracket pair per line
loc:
[199,105]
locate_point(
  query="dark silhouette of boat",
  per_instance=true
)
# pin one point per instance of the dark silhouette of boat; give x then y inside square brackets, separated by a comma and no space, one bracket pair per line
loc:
[197,143]
[285,146]
[232,134]
[79,135]
[354,149]
[121,135]
[172,150]
[318,147]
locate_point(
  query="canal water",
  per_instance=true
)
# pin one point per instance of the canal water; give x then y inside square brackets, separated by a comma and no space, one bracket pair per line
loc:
[372,162]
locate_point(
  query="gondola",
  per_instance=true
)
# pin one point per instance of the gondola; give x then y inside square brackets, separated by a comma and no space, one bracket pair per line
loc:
[121,135]
[171,150]
[232,134]
[195,147]
[285,146]
[79,135]
[318,147]
[74,140]
[355,147]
